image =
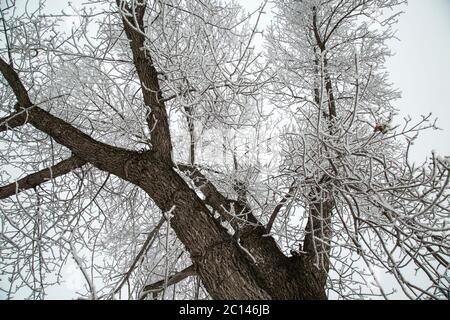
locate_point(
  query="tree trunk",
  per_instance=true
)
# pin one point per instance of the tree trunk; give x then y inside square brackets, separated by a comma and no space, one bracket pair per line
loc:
[252,267]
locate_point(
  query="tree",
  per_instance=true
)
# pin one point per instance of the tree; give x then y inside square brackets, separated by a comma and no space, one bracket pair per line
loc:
[153,113]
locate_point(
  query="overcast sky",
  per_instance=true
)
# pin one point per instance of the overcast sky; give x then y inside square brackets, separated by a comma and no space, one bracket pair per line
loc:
[421,68]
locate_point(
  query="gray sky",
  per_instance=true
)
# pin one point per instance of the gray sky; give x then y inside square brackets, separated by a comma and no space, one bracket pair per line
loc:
[421,69]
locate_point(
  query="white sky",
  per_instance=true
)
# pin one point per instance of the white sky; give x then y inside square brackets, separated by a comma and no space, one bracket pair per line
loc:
[421,68]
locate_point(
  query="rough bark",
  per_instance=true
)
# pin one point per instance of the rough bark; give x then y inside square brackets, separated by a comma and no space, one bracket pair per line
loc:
[284,276]
[14,120]
[316,244]
[157,119]
[158,286]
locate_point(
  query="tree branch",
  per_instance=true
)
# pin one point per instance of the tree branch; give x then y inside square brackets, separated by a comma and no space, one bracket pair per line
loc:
[159,285]
[103,156]
[316,243]
[157,119]
[213,197]
[278,207]
[143,250]
[40,177]
[191,128]
[16,85]
[14,120]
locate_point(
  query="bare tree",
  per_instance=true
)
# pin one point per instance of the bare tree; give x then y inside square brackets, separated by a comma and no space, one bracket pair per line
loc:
[154,146]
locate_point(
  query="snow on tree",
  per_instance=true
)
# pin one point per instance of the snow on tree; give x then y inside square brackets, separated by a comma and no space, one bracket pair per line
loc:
[155,147]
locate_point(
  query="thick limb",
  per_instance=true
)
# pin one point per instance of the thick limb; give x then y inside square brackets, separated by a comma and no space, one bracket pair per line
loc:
[35,179]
